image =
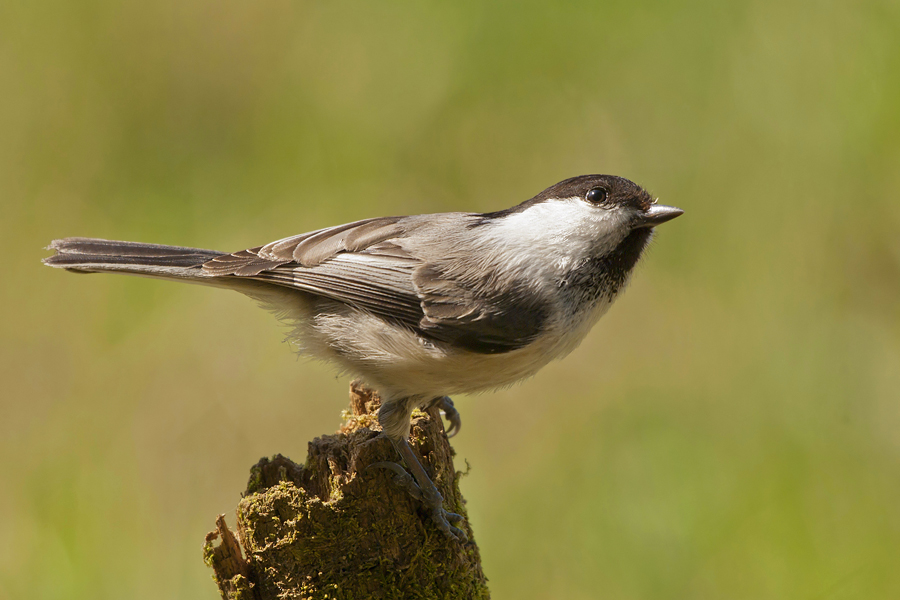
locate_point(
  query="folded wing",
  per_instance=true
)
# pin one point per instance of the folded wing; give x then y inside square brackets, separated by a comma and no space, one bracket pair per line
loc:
[366,264]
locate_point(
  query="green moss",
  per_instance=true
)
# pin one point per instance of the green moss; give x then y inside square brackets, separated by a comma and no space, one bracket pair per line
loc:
[255,482]
[242,589]
[209,554]
[328,552]
[332,529]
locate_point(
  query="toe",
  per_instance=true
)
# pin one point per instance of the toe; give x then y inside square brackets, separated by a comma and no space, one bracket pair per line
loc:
[452,416]
[401,478]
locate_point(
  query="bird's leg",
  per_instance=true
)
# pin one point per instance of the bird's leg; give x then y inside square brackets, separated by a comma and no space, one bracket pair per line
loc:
[394,419]
[446,405]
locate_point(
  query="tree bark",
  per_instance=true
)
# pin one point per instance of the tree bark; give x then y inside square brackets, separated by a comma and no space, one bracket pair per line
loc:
[331,529]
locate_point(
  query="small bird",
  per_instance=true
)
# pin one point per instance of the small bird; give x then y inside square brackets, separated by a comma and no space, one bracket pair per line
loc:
[425,306]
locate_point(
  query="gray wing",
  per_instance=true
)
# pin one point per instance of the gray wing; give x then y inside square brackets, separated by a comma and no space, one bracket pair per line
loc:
[307,249]
[366,264]
[479,316]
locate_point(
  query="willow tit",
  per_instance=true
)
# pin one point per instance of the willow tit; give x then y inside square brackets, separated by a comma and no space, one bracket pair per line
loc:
[425,306]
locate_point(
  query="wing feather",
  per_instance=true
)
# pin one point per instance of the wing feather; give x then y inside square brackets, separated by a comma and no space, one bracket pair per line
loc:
[308,249]
[482,317]
[379,287]
[368,265]
[311,249]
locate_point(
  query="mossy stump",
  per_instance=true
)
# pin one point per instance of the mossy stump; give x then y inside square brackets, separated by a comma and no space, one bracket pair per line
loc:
[331,529]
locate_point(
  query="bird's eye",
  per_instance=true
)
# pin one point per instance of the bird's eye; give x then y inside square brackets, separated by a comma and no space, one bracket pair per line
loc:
[597,196]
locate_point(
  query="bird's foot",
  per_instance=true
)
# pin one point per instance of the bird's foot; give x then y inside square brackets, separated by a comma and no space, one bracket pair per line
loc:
[420,487]
[401,478]
[443,518]
[452,415]
[431,498]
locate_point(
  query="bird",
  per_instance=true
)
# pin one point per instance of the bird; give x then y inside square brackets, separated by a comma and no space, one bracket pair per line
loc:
[423,307]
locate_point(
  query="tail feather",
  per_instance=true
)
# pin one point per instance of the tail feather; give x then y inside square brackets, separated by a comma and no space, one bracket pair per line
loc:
[90,255]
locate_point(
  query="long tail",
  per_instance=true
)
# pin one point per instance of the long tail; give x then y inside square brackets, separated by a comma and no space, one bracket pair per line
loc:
[90,255]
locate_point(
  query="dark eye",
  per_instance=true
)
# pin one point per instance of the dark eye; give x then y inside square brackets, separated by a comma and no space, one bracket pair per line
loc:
[597,196]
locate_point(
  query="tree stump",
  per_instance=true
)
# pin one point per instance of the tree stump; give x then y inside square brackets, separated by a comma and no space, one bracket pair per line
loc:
[331,529]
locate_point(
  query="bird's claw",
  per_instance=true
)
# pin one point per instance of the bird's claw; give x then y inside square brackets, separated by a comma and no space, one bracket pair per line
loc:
[444,518]
[434,502]
[452,415]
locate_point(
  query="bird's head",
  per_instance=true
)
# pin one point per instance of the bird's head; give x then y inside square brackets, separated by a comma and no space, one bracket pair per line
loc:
[584,217]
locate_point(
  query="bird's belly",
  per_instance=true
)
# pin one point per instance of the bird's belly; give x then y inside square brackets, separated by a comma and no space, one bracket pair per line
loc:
[397,362]
[433,371]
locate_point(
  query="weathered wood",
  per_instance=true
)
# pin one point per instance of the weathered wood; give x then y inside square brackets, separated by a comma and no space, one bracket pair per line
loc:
[331,529]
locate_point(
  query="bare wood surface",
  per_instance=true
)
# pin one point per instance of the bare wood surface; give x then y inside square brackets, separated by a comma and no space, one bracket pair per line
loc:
[331,529]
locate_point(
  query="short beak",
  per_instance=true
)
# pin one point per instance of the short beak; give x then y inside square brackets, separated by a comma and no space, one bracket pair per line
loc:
[657,214]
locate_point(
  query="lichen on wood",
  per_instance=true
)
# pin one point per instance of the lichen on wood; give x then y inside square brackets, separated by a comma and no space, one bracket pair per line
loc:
[331,529]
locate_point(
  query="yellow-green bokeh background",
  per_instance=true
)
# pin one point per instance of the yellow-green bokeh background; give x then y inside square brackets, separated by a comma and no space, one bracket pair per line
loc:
[731,430]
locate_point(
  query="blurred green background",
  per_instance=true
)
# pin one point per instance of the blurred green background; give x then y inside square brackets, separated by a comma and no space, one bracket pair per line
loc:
[730,430]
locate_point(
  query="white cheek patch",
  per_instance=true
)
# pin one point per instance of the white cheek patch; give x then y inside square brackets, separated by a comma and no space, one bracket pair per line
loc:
[559,230]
